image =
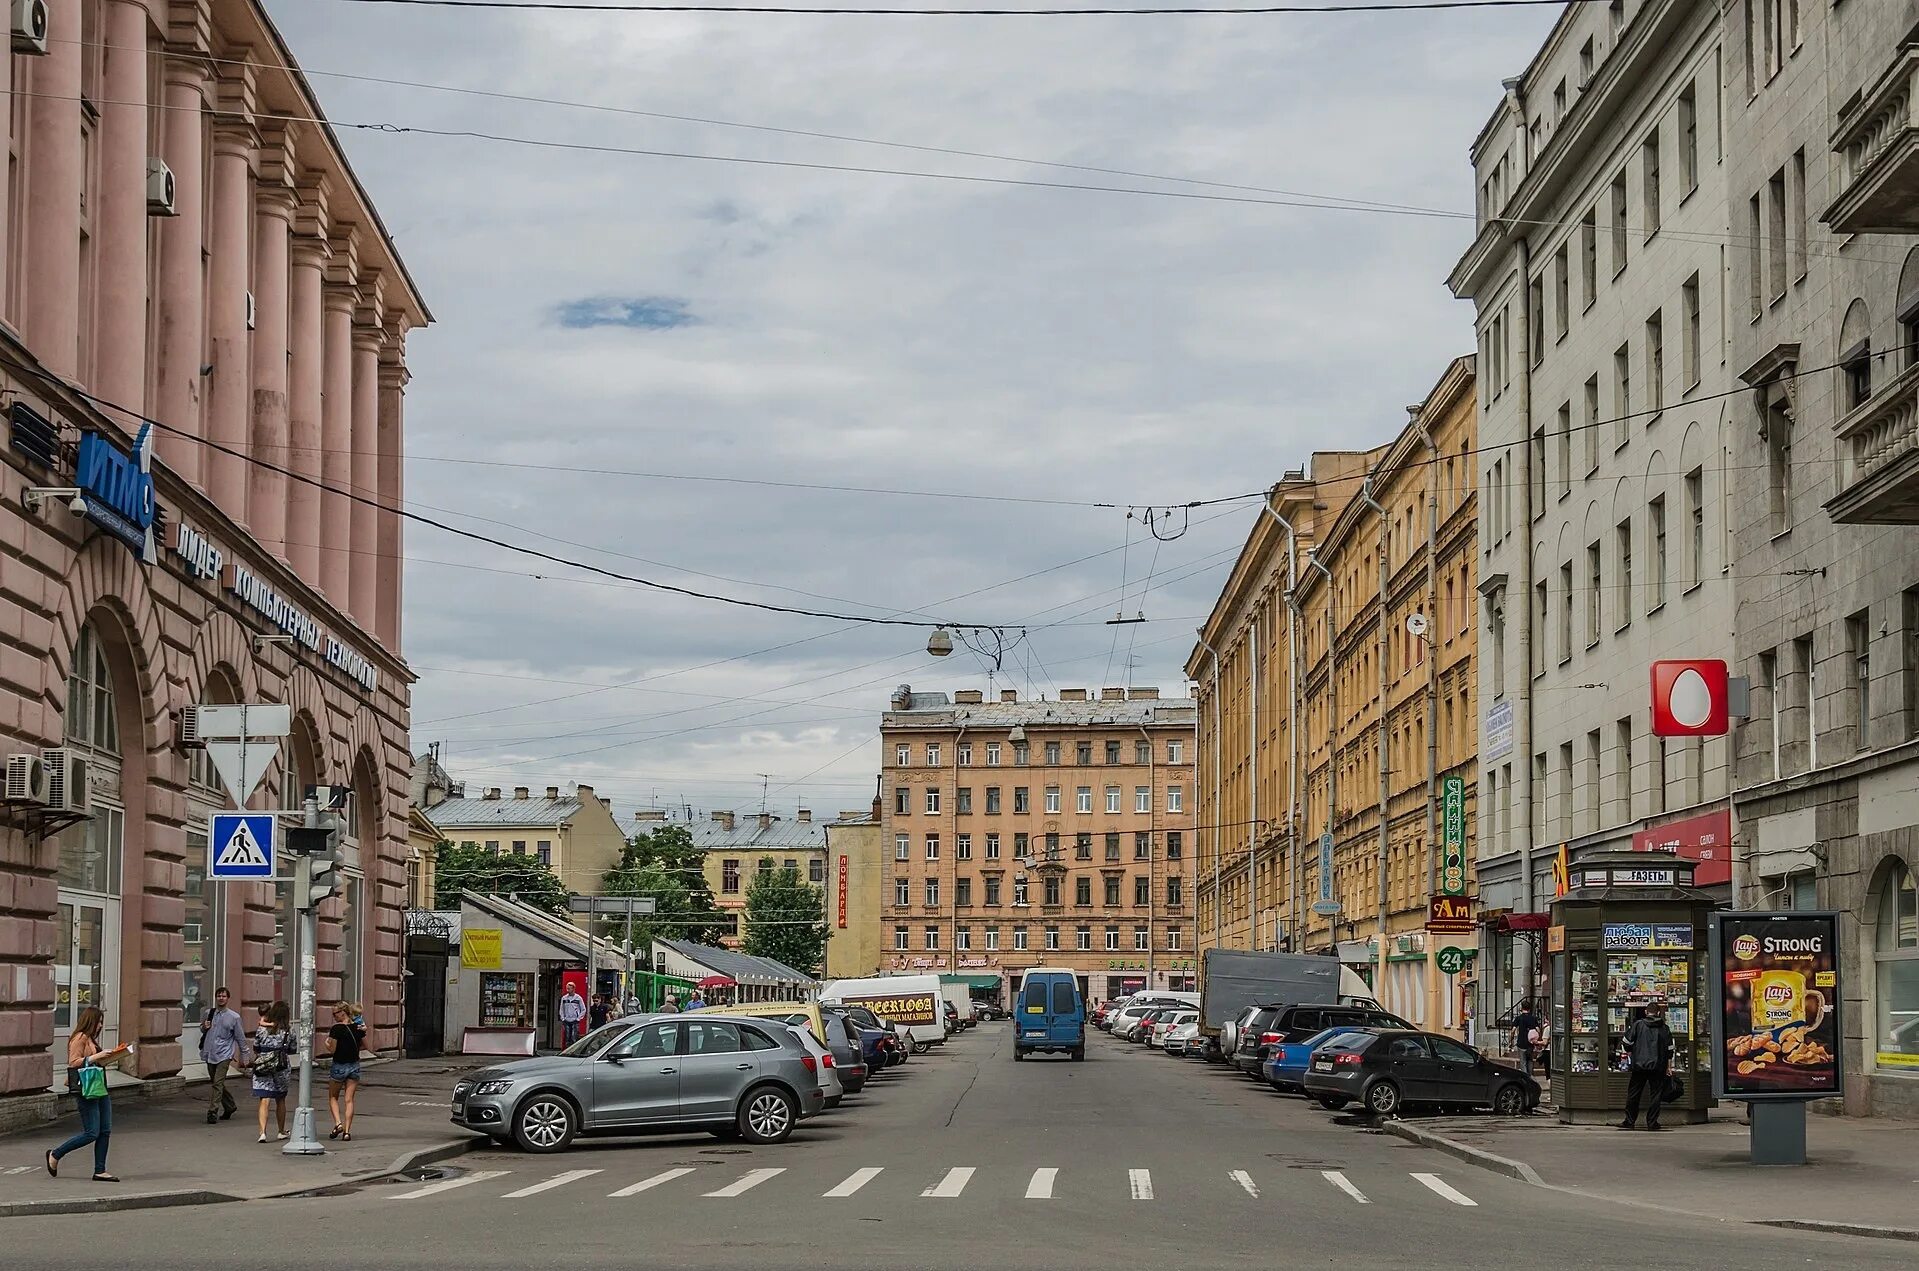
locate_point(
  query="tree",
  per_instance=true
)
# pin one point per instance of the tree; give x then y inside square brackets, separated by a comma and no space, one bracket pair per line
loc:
[470,867]
[666,865]
[786,919]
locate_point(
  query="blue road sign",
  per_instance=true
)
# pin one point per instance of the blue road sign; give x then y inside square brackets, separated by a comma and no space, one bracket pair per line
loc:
[240,845]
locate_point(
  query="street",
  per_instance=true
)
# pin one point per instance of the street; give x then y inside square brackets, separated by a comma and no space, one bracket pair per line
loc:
[961,1158]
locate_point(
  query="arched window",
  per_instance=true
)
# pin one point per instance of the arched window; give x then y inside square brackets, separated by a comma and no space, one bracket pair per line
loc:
[91,721]
[1909,309]
[87,953]
[1855,357]
[1896,955]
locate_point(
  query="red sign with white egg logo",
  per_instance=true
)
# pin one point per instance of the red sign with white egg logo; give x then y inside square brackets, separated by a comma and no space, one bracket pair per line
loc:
[1689,698]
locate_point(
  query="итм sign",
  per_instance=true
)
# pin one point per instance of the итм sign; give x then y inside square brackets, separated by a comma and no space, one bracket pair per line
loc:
[118,489]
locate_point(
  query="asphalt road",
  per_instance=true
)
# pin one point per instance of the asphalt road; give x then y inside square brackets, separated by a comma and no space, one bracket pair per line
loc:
[962,1159]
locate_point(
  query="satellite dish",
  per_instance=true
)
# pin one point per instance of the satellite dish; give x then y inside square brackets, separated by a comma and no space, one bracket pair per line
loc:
[1416,623]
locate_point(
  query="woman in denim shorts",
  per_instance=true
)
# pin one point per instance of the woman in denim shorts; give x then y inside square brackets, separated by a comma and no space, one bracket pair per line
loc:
[344,1040]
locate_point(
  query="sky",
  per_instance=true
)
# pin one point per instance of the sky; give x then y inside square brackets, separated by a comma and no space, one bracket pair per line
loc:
[613,330]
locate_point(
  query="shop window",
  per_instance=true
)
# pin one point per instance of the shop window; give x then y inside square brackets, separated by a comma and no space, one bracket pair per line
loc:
[1896,955]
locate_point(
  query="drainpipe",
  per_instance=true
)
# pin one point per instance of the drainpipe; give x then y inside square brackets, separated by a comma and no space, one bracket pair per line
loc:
[1385,757]
[1332,715]
[1252,776]
[1218,812]
[1292,724]
[1523,716]
[1432,698]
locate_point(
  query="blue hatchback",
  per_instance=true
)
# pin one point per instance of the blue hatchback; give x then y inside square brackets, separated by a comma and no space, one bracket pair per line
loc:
[1286,1067]
[1049,1015]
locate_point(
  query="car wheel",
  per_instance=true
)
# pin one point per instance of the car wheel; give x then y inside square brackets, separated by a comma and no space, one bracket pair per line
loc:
[545,1123]
[1330,1102]
[1510,1101]
[1079,1053]
[767,1115]
[1382,1099]
[920,1047]
[1018,1054]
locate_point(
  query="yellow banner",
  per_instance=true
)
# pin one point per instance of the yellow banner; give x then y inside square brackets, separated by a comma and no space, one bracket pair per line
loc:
[480,948]
[1896,1059]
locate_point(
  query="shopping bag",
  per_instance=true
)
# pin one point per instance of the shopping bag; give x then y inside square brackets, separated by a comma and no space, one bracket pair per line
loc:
[1675,1090]
[93,1082]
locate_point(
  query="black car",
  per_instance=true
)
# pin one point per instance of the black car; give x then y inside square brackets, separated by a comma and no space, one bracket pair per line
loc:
[1270,1026]
[1395,1068]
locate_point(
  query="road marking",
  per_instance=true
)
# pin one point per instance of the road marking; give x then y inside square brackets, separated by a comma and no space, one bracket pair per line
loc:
[856,1180]
[1245,1180]
[647,1184]
[1446,1189]
[558,1180]
[953,1184]
[19,1169]
[423,1103]
[1340,1181]
[477,1176]
[1142,1181]
[1041,1186]
[747,1182]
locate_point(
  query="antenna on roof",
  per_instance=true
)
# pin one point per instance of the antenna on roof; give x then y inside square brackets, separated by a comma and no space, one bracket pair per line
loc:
[764,778]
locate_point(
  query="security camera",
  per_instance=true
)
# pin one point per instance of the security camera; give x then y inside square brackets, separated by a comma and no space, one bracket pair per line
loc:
[78,505]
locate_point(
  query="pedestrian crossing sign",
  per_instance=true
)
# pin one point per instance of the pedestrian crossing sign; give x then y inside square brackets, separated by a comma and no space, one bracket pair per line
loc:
[240,845]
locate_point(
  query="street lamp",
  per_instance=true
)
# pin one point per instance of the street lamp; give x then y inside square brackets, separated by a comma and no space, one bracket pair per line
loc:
[940,643]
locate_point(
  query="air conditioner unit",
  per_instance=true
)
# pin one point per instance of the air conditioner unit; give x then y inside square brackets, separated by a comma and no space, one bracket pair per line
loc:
[68,781]
[186,729]
[160,189]
[30,27]
[26,779]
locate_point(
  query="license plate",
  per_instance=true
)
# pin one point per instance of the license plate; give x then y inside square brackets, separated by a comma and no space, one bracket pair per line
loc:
[1322,1065]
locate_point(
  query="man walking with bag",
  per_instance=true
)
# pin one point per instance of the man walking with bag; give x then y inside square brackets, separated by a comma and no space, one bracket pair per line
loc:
[222,1041]
[1649,1050]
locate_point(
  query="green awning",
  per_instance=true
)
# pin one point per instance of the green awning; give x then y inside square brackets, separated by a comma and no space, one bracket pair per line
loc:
[972,981]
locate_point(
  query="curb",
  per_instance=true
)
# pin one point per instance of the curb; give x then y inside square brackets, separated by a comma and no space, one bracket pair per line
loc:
[113,1204]
[1472,1155]
[1841,1228]
[444,1150]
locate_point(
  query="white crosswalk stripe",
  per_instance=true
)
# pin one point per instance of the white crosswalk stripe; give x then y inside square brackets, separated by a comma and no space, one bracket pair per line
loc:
[558,1180]
[447,1185]
[1141,1181]
[1040,1187]
[953,1184]
[1340,1181]
[648,1184]
[854,1181]
[1245,1180]
[746,1182]
[1439,1185]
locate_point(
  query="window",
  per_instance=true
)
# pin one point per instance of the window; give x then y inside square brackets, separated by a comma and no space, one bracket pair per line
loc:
[1656,361]
[1083,799]
[932,891]
[1052,754]
[1855,358]
[963,847]
[1112,752]
[1112,846]
[992,938]
[1536,315]
[1019,937]
[1022,799]
[1174,846]
[1538,463]
[963,799]
[1082,891]
[519,847]
[962,891]
[902,891]
[1052,798]
[1142,890]
[1618,223]
[992,754]
[902,801]
[1649,177]
[1622,395]
[1083,753]
[1143,845]
[902,756]
[1779,467]
[1172,939]
[1564,446]
[1566,789]
[1083,847]
[1695,527]
[1565,633]
[932,847]
[1622,766]
[1586,61]
[1689,338]
[1909,663]
[1589,425]
[963,754]
[1689,138]
[1021,753]
[932,936]
[1562,291]
[1175,751]
[1052,937]
[1112,798]
[730,877]
[816,871]
[902,847]
[543,853]
[1776,235]
[1796,211]
[962,938]
[1859,653]
[1896,961]
[1172,892]
[1020,849]
[1175,799]
[1656,545]
[1050,891]
[1112,939]
[992,800]
[1142,798]
[932,754]
[1589,257]
[1755,258]
[932,799]
[1142,752]
[766,864]
[1559,102]
[902,938]
[1112,891]
[1539,625]
[1622,572]
[992,847]
[1615,23]
[1595,595]
[992,891]
[1019,892]
[1142,938]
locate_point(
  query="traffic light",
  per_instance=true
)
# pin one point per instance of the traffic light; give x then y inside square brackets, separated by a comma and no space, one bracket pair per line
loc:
[316,865]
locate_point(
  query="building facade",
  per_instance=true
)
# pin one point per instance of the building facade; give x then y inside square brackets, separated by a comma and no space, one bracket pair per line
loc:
[1039,833]
[574,833]
[1350,642]
[854,880]
[1822,173]
[1598,283]
[202,344]
[740,848]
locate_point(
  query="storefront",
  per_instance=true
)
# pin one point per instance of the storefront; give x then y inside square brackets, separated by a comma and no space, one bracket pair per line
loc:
[503,990]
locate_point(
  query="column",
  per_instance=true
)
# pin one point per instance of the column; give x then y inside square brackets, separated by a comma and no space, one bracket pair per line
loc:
[120,217]
[272,229]
[180,347]
[336,431]
[363,592]
[388,529]
[50,310]
[306,396]
[230,227]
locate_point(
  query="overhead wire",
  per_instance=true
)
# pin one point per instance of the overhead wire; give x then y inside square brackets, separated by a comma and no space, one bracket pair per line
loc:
[630,6]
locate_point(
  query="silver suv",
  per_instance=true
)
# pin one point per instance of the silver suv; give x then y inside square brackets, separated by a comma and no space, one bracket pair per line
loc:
[732,1076]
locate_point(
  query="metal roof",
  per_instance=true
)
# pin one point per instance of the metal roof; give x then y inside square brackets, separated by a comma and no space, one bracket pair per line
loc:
[743,967]
[480,813]
[1131,713]
[747,834]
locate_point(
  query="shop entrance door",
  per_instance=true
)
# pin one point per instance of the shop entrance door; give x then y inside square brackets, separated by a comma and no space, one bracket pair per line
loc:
[85,968]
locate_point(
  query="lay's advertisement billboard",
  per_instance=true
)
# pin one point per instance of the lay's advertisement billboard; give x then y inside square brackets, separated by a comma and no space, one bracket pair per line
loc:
[1776,998]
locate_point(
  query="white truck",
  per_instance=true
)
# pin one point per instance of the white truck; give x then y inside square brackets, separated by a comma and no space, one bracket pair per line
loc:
[912,1004]
[962,999]
[1233,979]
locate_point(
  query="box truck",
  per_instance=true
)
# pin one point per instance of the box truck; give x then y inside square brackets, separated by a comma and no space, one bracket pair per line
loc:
[1230,980]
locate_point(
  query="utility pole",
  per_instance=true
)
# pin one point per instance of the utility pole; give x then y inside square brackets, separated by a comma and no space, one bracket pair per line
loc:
[315,845]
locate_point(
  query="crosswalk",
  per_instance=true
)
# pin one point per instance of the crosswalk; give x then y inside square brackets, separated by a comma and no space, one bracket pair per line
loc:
[1134,1184]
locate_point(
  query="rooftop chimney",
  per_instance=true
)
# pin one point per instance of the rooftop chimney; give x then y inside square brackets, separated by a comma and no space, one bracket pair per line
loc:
[1009,695]
[1112,695]
[724,818]
[968,697]
[805,816]
[766,820]
[1072,695]
[553,792]
[1143,694]
[519,792]
[492,792]
[650,814]
[586,791]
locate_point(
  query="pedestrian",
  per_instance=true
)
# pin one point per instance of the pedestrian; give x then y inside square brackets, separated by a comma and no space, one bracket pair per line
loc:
[596,1014]
[572,1011]
[273,1047]
[87,1080]
[696,1002]
[1543,1047]
[343,1076]
[1649,1057]
[632,1006]
[670,1005]
[1526,1033]
[223,1042]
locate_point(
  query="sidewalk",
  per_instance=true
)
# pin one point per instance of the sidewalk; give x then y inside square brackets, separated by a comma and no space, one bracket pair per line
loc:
[1859,1176]
[168,1155]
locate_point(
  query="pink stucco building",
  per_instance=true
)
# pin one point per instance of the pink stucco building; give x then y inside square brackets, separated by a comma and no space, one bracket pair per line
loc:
[251,306]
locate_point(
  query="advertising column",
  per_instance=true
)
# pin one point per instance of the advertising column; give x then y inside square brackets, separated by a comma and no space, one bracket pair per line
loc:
[1776,1022]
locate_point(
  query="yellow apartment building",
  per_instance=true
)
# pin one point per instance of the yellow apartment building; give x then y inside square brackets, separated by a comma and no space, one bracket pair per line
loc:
[1336,687]
[574,833]
[736,847]
[853,883]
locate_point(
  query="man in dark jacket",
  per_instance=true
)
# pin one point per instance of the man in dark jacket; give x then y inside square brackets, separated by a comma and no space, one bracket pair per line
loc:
[1525,1024]
[1649,1056]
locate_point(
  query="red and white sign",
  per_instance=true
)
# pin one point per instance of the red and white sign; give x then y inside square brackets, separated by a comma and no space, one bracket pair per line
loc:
[842,893]
[1706,839]
[1689,698]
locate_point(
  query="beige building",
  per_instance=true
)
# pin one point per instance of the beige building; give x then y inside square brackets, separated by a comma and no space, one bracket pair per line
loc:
[739,847]
[1336,687]
[574,833]
[853,885]
[1028,833]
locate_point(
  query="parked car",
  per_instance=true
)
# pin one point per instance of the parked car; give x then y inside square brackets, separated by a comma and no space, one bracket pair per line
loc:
[984,1012]
[1269,1025]
[1389,1069]
[868,1019]
[1181,1037]
[1286,1066]
[831,1089]
[874,1052]
[1166,1022]
[754,1079]
[1117,1021]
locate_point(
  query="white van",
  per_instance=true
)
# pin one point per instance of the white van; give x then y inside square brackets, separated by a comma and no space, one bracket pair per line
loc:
[912,1004]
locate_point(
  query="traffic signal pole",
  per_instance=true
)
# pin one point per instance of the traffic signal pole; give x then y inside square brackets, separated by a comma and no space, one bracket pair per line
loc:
[314,879]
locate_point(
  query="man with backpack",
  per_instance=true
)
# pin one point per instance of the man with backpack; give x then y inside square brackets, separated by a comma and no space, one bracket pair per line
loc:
[1649,1049]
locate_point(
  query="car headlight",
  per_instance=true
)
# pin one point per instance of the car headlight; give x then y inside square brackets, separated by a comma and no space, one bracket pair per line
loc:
[492,1087]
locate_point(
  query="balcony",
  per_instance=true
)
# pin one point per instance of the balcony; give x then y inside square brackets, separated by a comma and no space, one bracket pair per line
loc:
[1877,145]
[1879,457]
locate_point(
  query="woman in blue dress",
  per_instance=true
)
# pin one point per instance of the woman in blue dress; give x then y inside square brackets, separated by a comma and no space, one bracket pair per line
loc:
[273,1048]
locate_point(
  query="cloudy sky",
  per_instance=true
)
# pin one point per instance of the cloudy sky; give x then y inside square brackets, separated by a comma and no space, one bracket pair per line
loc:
[612,326]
